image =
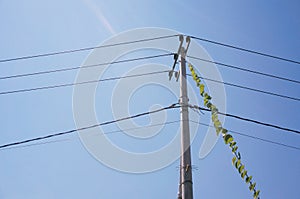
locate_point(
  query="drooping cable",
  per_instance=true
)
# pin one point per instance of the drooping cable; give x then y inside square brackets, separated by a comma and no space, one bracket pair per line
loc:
[173,106]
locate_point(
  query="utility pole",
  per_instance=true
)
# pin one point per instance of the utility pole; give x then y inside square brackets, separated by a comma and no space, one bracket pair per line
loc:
[186,166]
[186,182]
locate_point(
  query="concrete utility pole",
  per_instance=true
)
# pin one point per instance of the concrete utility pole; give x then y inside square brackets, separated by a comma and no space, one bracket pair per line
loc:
[185,161]
[185,181]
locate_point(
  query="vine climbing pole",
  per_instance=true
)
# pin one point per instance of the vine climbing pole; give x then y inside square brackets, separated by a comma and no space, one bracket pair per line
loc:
[228,139]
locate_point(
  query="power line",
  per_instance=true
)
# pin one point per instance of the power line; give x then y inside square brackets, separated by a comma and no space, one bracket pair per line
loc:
[252,137]
[249,120]
[138,75]
[104,133]
[85,49]
[85,66]
[149,126]
[79,83]
[36,144]
[88,127]
[144,74]
[144,40]
[249,88]
[246,70]
[246,50]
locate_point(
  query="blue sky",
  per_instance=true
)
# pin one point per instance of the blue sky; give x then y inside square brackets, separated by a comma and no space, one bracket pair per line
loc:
[65,169]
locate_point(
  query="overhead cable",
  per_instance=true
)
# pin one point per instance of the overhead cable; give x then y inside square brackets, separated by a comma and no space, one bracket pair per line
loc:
[173,106]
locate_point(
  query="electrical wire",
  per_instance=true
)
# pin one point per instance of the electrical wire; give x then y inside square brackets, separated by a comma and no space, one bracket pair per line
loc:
[173,106]
[245,70]
[252,137]
[138,75]
[149,126]
[104,133]
[37,144]
[79,83]
[249,88]
[149,39]
[85,49]
[85,66]
[249,120]
[246,50]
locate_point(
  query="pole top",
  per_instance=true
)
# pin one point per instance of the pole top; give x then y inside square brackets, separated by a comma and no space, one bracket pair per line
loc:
[181,51]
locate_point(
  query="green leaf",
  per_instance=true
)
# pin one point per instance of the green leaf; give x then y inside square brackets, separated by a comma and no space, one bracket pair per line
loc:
[216,126]
[224,131]
[227,138]
[218,130]
[256,194]
[214,109]
[248,179]
[243,174]
[208,105]
[205,102]
[214,117]
[217,123]
[206,96]
[237,164]
[232,144]
[252,186]
[201,89]
[241,168]
[234,149]
[233,160]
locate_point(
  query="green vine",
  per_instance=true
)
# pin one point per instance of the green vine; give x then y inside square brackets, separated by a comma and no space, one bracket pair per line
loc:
[228,139]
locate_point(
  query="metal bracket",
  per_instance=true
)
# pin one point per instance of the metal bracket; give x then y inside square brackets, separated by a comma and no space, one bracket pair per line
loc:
[177,74]
[181,51]
[176,56]
[188,41]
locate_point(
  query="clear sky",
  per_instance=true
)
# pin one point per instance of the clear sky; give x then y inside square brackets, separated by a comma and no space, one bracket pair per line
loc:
[65,169]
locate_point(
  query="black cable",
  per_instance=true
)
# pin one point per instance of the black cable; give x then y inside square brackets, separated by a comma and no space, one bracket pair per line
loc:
[85,66]
[251,89]
[36,144]
[166,123]
[88,127]
[249,120]
[246,70]
[104,133]
[86,82]
[250,136]
[246,50]
[85,49]
[130,76]
[144,40]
